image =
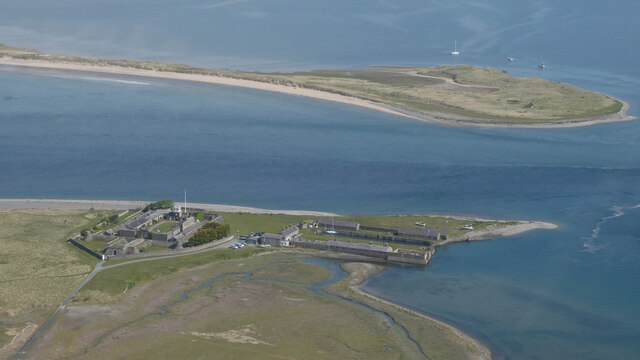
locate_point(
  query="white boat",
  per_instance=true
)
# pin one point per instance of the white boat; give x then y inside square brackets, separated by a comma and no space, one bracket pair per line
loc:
[420,223]
[455,51]
[331,232]
[542,66]
[510,58]
[467,227]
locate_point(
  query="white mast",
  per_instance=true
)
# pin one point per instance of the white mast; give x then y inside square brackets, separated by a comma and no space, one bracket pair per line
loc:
[455,48]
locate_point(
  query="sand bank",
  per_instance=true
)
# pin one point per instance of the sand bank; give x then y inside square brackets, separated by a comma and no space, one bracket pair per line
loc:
[444,119]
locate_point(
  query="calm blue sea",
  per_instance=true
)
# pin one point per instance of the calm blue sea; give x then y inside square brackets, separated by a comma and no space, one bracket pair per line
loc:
[570,293]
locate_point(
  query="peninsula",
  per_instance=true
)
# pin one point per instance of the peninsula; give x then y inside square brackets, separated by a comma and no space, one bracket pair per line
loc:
[447,95]
[175,294]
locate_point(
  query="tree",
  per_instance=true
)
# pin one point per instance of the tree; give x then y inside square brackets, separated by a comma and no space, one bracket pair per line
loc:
[208,233]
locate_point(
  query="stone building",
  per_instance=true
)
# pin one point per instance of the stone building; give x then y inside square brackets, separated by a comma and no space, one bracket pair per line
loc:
[338,224]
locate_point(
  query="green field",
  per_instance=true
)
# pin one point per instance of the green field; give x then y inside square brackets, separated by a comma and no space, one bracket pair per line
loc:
[245,223]
[461,94]
[164,226]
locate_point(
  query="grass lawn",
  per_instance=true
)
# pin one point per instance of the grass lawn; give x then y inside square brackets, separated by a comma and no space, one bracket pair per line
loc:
[94,245]
[245,223]
[164,226]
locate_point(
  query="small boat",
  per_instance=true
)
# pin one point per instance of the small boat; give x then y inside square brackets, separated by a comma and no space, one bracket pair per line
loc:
[510,58]
[455,51]
[331,232]
[467,227]
[542,66]
[420,223]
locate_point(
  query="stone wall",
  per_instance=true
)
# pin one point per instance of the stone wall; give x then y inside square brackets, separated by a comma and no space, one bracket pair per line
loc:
[84,248]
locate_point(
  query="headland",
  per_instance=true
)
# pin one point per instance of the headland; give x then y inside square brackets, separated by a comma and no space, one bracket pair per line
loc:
[445,95]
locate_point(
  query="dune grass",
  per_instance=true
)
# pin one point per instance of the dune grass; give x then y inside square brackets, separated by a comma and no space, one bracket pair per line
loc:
[38,268]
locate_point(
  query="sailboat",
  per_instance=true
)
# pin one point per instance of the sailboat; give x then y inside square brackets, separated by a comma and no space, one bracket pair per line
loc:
[455,51]
[542,65]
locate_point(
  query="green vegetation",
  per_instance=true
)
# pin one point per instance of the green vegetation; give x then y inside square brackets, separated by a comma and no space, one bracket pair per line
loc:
[244,223]
[164,226]
[293,271]
[225,313]
[114,282]
[38,268]
[460,93]
[162,204]
[208,233]
[152,248]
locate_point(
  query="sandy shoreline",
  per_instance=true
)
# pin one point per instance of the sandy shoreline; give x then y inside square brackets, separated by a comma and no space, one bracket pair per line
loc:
[60,204]
[439,119]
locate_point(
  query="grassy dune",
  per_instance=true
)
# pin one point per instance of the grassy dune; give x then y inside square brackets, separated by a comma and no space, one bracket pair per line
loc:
[461,94]
[38,269]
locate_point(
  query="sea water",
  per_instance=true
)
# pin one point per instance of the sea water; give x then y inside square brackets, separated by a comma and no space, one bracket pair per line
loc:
[547,294]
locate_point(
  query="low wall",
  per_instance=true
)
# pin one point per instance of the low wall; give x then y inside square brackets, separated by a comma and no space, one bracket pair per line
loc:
[410,256]
[395,239]
[332,246]
[169,252]
[400,255]
[86,249]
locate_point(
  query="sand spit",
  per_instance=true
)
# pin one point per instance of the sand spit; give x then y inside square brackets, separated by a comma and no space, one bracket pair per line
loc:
[444,119]
[59,204]
[499,231]
[362,271]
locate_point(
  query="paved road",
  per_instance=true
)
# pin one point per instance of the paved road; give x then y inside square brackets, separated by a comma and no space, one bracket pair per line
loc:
[99,267]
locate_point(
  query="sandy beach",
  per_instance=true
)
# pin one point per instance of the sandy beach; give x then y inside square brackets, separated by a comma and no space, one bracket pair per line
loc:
[443,119]
[216,80]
